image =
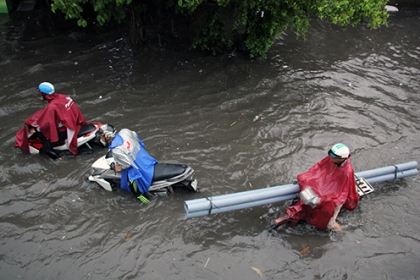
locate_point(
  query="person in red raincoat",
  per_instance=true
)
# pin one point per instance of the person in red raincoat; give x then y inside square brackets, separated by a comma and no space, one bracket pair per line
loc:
[325,188]
[58,122]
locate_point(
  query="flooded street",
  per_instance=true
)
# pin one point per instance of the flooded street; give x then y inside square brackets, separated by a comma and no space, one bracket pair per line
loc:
[357,86]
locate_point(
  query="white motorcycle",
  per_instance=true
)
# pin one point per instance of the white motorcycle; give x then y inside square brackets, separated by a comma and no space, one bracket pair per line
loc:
[166,177]
[89,135]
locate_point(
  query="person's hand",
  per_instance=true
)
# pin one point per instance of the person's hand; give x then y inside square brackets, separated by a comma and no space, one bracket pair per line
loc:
[117,168]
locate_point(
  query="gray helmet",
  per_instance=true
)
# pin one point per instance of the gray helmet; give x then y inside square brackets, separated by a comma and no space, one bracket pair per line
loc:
[109,131]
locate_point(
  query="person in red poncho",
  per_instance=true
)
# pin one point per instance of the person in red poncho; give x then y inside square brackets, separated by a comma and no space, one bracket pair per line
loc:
[58,122]
[325,188]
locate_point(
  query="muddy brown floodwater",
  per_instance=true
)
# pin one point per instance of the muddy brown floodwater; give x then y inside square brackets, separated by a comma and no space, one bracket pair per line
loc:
[356,86]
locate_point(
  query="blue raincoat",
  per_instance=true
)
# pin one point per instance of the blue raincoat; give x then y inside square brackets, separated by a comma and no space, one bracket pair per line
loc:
[140,168]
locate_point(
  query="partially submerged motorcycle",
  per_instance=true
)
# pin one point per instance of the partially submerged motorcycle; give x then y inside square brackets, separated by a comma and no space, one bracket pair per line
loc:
[166,178]
[89,135]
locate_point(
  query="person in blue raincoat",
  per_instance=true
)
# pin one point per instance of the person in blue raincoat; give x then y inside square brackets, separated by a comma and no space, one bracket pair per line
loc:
[131,159]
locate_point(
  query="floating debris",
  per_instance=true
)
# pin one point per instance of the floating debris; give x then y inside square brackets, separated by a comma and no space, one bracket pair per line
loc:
[257,118]
[391,9]
[258,271]
[207,262]
[127,236]
[304,251]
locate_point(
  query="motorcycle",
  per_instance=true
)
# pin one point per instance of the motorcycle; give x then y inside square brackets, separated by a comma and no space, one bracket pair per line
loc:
[89,135]
[166,177]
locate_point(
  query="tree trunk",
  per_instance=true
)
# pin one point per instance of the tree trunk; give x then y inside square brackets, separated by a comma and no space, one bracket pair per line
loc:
[137,29]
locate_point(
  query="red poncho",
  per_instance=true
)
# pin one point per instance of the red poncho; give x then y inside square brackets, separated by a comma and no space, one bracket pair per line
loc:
[335,185]
[61,109]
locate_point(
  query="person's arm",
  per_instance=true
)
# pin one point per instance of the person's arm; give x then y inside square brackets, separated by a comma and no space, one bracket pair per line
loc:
[352,195]
[302,178]
[48,123]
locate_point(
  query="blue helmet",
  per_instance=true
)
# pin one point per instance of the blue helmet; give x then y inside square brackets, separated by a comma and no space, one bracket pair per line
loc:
[46,88]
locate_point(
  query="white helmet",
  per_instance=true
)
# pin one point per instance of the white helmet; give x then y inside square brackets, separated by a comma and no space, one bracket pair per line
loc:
[46,88]
[339,151]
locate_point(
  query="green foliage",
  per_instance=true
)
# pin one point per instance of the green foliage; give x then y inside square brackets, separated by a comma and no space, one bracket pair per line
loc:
[253,23]
[189,5]
[262,21]
[105,9]
[345,12]
[212,36]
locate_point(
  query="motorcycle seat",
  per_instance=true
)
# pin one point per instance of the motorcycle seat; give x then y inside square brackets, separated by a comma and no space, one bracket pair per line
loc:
[167,170]
[85,128]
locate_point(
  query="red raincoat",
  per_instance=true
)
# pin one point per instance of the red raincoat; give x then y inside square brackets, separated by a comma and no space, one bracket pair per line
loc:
[61,109]
[334,185]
